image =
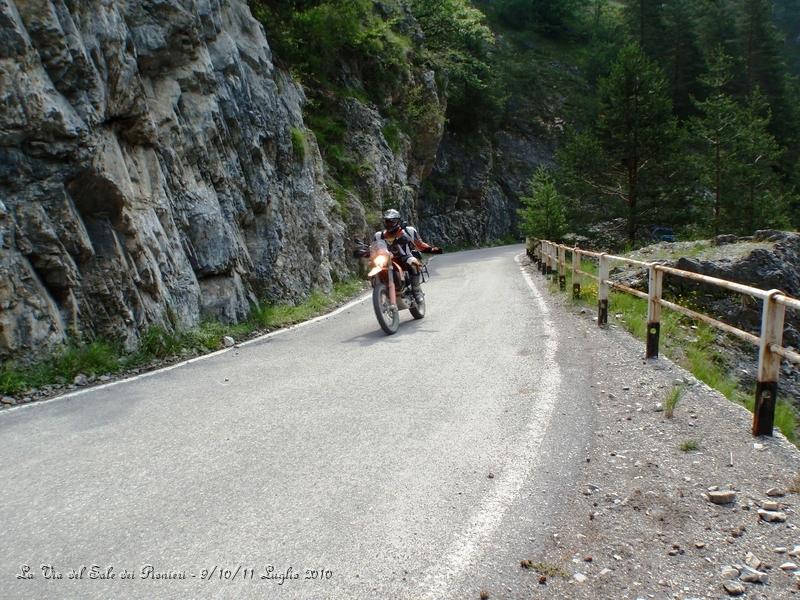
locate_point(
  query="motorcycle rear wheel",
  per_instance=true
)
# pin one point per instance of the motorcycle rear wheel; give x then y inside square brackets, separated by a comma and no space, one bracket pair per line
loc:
[388,316]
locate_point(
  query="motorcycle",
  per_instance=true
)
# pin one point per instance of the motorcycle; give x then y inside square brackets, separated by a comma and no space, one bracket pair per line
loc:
[390,294]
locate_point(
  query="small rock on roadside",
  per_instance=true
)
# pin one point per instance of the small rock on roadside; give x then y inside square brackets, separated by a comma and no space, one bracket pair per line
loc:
[751,560]
[228,341]
[771,516]
[80,379]
[729,572]
[788,566]
[775,492]
[722,496]
[8,400]
[734,588]
[752,576]
[579,577]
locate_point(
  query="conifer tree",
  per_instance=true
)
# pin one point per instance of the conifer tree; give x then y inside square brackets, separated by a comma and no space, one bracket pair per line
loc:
[738,155]
[717,128]
[762,202]
[682,57]
[635,128]
[645,21]
[543,215]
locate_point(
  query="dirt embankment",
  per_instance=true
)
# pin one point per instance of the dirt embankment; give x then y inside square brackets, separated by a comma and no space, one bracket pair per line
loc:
[680,507]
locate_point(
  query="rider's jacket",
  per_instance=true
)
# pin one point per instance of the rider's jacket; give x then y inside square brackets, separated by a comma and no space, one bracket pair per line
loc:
[403,242]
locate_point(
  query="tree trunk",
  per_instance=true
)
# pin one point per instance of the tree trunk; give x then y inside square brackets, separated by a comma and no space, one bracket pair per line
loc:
[717,185]
[633,185]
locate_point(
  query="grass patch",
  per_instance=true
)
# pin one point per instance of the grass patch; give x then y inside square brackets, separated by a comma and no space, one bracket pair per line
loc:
[689,446]
[96,358]
[671,401]
[298,143]
[102,357]
[392,133]
[548,569]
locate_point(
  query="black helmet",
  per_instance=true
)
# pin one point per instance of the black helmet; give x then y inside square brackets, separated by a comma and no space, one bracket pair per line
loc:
[391,220]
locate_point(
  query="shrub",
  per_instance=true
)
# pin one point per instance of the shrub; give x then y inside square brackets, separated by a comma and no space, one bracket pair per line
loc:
[298,143]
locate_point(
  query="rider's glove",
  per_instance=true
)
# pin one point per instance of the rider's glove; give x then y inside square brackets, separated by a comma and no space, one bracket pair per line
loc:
[434,250]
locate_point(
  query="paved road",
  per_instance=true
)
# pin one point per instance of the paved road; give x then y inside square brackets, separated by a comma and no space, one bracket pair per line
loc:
[421,465]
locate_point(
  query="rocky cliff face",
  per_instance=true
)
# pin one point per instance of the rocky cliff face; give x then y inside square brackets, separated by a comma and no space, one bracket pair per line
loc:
[474,190]
[147,172]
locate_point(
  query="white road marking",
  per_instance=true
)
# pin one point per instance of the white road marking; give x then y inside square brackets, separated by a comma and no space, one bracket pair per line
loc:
[488,518]
[189,361]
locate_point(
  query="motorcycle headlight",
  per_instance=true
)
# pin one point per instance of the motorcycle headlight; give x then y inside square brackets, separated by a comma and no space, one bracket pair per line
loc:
[381,260]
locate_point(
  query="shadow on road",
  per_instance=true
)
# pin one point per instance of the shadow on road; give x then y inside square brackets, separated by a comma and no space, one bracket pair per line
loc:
[377,336]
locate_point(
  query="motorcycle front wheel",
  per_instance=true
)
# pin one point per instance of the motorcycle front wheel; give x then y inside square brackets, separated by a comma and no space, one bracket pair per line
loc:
[417,309]
[387,315]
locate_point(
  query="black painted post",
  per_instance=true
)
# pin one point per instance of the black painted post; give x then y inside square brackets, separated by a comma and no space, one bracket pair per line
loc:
[576,278]
[655,284]
[602,291]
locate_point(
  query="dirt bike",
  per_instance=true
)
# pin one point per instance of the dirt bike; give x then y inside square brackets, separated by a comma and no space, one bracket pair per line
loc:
[392,294]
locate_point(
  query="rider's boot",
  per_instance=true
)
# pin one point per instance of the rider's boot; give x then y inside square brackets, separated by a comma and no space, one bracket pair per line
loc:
[416,288]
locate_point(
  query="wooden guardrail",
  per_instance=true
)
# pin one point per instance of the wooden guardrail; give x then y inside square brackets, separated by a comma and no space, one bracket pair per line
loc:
[551,258]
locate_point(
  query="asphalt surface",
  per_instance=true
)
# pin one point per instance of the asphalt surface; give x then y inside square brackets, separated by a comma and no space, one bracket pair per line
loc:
[425,464]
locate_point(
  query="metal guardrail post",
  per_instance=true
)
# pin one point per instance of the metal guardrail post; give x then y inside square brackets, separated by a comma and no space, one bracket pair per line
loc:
[769,365]
[655,286]
[576,278]
[602,291]
[562,268]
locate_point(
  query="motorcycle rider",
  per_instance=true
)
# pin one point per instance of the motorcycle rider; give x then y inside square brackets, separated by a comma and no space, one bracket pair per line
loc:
[403,241]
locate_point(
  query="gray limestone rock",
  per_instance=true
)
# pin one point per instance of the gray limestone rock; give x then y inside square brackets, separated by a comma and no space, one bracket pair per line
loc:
[147,174]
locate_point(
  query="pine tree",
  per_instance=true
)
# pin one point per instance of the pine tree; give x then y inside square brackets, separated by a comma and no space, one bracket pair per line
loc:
[543,215]
[717,128]
[645,21]
[635,128]
[682,57]
[738,156]
[761,48]
[761,201]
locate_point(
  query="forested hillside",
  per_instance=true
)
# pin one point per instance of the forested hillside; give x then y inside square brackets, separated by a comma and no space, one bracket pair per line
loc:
[678,114]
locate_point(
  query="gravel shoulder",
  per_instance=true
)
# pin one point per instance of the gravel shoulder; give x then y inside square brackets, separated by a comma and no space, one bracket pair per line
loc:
[641,524]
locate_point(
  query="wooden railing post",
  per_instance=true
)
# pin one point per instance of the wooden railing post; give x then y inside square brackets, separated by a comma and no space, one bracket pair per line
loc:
[550,259]
[576,278]
[602,291]
[541,256]
[562,268]
[769,365]
[655,285]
